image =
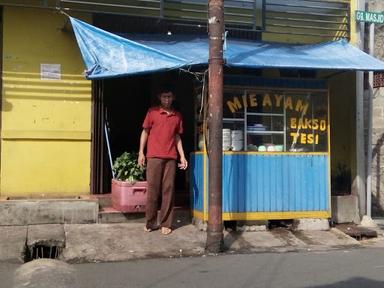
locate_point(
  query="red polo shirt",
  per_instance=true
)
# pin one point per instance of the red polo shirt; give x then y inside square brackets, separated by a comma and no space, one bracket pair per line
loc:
[162,128]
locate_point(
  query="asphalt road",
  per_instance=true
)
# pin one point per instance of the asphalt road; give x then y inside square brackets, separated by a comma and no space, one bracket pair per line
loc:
[328,269]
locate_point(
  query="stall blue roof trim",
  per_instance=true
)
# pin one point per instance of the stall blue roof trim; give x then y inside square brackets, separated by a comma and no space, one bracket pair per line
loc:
[108,55]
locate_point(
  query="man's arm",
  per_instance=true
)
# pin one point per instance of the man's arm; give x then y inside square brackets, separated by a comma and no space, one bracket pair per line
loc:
[179,145]
[143,143]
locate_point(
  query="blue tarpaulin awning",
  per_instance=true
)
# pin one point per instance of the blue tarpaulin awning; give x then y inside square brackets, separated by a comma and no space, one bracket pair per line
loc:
[108,55]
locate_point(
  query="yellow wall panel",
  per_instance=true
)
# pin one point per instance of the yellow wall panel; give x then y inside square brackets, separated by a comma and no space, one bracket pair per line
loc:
[48,114]
[45,123]
[354,24]
[34,168]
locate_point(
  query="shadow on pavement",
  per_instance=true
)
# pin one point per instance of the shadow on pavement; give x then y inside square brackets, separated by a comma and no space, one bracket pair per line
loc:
[357,282]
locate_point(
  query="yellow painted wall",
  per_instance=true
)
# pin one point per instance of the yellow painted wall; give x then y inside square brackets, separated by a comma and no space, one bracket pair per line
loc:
[343,124]
[353,39]
[45,124]
[342,89]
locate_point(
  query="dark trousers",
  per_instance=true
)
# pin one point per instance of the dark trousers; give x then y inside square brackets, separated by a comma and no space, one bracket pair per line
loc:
[161,181]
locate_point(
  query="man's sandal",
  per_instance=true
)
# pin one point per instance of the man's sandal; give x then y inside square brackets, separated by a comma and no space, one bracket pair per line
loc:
[166,230]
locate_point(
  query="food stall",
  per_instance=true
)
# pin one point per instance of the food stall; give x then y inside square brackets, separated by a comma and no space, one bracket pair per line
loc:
[276,156]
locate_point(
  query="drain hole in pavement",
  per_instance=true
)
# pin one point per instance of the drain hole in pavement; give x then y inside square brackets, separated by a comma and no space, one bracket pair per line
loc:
[286,223]
[41,251]
[357,232]
[230,226]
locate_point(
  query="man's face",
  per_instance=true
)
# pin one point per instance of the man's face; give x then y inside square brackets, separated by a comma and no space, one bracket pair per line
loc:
[166,99]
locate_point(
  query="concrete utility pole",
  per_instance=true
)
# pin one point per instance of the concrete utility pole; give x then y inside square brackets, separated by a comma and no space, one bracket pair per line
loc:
[371,48]
[360,157]
[215,117]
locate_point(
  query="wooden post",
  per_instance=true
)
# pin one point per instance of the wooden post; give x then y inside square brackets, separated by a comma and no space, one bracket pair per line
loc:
[215,117]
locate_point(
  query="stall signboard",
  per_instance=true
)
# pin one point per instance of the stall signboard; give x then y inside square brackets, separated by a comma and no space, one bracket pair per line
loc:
[280,121]
[370,17]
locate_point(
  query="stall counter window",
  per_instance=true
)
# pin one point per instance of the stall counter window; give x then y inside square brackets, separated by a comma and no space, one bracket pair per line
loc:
[275,155]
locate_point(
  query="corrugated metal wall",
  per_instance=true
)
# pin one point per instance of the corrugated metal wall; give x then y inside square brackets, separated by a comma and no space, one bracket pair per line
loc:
[270,183]
[196,167]
[261,183]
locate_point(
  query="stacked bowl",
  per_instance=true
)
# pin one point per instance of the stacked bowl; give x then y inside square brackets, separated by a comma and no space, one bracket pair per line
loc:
[237,138]
[226,139]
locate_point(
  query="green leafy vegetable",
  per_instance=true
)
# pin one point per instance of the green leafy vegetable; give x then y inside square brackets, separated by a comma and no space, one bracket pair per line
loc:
[127,169]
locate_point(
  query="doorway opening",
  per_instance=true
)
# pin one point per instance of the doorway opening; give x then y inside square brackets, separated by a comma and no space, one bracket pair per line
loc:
[119,108]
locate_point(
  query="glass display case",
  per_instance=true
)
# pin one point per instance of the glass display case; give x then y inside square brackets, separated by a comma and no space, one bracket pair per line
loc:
[275,121]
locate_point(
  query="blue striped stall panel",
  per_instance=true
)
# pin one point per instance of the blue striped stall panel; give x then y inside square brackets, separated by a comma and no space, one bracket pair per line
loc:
[196,166]
[275,183]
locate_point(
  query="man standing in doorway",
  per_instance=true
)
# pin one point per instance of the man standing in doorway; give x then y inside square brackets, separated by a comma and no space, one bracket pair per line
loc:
[161,135]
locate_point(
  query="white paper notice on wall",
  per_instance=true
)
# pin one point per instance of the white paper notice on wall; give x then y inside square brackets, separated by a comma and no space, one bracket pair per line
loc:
[50,71]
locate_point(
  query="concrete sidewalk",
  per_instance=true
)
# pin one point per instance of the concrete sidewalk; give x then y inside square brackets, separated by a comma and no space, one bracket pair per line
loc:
[119,242]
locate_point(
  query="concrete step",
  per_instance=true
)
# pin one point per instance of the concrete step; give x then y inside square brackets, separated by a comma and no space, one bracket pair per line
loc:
[109,214]
[182,216]
[77,210]
[182,198]
[104,200]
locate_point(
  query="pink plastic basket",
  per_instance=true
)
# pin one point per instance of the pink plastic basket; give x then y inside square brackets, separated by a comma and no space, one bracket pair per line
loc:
[127,197]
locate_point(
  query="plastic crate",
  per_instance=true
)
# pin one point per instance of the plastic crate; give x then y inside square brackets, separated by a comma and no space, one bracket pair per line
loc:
[128,197]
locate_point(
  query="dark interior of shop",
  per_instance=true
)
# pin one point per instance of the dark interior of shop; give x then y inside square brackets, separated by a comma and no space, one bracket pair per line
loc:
[126,101]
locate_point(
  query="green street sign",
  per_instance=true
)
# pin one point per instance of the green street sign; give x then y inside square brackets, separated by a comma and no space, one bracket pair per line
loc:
[371,17]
